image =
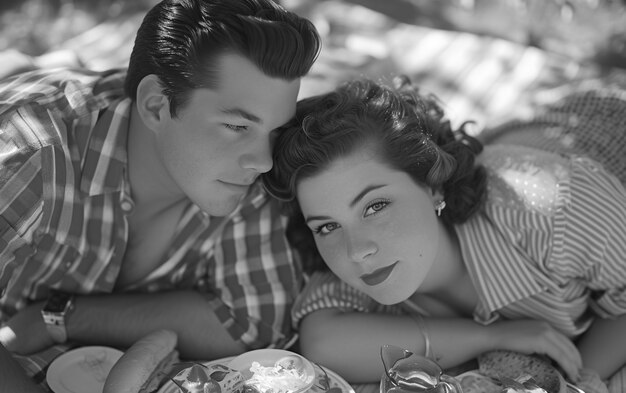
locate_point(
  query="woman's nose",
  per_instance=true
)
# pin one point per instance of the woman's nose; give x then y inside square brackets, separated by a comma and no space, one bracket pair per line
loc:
[360,247]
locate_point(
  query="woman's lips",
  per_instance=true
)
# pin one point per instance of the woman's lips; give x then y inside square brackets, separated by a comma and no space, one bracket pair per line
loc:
[378,276]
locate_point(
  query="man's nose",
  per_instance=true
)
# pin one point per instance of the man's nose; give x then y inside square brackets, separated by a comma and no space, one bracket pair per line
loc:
[259,156]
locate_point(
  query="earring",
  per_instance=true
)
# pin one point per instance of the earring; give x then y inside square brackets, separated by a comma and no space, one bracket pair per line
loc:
[440,206]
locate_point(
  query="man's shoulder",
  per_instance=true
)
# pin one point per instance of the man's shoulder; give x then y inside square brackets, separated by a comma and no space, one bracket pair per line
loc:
[46,108]
[67,90]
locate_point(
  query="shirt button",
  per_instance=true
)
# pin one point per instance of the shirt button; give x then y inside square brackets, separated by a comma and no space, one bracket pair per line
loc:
[126,206]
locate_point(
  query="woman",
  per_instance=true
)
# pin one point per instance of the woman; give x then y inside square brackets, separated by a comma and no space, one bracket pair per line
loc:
[509,247]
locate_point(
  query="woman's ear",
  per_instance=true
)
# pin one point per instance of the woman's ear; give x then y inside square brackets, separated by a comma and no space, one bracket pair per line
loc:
[436,195]
[439,203]
[153,106]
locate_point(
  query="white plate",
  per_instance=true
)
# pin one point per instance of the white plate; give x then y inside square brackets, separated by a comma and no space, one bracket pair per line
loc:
[82,370]
[325,380]
[268,357]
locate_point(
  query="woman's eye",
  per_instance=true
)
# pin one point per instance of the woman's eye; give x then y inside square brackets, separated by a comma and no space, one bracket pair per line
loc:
[375,207]
[325,229]
[236,128]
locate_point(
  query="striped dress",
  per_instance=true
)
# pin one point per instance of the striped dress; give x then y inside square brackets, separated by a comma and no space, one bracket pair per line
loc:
[549,243]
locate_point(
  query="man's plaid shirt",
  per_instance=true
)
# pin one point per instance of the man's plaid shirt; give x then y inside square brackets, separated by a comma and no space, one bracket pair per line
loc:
[64,198]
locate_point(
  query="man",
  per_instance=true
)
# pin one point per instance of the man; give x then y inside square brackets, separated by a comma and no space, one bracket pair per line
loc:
[129,200]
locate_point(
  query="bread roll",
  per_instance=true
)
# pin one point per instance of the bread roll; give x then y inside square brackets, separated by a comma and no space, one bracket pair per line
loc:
[512,365]
[136,371]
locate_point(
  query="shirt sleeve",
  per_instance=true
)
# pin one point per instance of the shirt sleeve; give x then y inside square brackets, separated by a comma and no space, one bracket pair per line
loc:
[20,201]
[559,222]
[602,235]
[254,277]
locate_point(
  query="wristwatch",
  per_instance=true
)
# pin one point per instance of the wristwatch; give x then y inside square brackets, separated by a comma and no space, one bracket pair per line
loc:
[55,313]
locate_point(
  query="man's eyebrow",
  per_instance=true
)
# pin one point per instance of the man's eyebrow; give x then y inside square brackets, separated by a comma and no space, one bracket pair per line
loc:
[356,200]
[242,113]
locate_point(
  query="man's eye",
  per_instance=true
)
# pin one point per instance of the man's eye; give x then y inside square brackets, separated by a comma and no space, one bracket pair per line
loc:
[236,128]
[325,229]
[376,207]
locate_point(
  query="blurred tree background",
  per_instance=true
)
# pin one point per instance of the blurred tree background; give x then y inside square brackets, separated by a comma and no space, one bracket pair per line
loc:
[582,29]
[35,26]
[515,47]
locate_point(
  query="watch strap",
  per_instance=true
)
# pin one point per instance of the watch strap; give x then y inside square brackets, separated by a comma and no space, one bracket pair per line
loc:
[56,321]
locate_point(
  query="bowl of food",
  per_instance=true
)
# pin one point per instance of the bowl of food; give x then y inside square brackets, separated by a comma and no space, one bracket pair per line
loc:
[274,371]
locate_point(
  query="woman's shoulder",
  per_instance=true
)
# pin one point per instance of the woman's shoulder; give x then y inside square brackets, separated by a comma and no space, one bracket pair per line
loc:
[324,286]
[520,177]
[504,158]
[325,290]
[524,182]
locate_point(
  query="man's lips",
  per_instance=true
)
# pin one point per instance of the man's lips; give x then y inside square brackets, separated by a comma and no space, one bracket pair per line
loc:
[379,275]
[245,183]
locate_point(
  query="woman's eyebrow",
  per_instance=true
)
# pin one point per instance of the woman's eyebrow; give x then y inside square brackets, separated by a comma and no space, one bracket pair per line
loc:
[313,218]
[364,192]
[356,200]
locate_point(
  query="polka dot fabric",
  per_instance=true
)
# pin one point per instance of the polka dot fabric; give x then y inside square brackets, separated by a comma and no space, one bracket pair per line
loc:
[588,118]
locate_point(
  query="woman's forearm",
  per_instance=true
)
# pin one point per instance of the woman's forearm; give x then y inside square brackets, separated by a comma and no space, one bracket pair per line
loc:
[350,342]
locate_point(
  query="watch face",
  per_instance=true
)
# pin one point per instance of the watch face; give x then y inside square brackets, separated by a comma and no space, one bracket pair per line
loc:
[57,302]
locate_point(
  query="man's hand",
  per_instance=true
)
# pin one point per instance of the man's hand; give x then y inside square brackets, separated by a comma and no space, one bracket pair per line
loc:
[25,333]
[12,376]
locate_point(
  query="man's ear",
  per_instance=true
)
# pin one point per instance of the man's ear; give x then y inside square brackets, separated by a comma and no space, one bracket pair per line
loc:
[152,104]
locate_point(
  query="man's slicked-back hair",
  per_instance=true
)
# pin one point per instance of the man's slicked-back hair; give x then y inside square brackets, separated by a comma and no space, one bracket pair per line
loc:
[180,42]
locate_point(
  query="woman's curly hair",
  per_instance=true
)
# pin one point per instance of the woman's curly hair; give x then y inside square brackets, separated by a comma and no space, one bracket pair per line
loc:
[407,130]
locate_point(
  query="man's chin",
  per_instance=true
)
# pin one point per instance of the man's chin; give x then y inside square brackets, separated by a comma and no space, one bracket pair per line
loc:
[221,208]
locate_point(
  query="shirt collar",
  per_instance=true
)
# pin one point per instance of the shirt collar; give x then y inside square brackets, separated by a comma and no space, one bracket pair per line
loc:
[106,154]
[501,275]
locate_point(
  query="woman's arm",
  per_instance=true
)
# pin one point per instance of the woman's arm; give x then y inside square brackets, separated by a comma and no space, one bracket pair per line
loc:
[349,343]
[603,347]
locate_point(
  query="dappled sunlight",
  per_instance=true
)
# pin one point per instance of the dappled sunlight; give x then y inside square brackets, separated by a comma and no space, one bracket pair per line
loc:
[485,59]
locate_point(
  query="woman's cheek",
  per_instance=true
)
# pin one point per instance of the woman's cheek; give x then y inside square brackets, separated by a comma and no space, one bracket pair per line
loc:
[328,249]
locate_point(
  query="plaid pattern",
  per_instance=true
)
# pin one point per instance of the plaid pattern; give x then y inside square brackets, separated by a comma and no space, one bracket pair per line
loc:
[37,364]
[64,197]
